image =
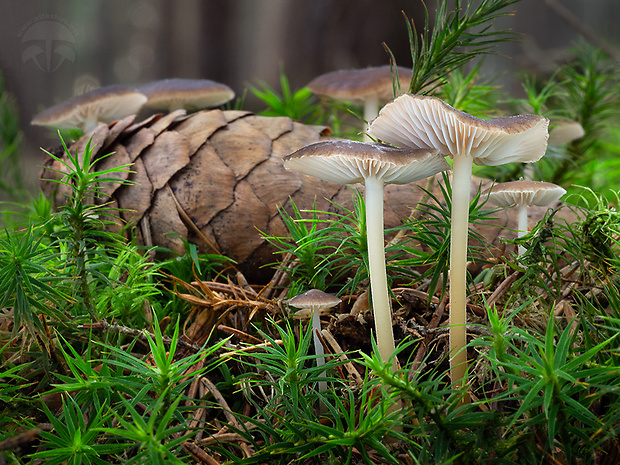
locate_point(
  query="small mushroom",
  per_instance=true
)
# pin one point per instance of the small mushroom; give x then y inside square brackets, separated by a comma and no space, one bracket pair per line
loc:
[524,193]
[105,105]
[564,131]
[561,132]
[316,302]
[349,162]
[427,122]
[368,86]
[186,94]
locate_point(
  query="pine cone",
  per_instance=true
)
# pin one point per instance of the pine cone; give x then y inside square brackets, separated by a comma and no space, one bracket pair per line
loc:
[215,178]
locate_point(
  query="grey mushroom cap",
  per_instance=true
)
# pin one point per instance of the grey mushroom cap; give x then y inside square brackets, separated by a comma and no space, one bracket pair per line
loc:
[356,85]
[105,104]
[314,299]
[188,94]
[350,162]
[524,192]
[427,122]
[564,131]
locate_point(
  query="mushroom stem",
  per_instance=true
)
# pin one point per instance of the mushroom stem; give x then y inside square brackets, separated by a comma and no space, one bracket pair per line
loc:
[528,171]
[318,347]
[461,185]
[522,225]
[377,271]
[371,110]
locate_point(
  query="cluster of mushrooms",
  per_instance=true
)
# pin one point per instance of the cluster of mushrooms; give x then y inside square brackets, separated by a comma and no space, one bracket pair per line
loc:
[111,103]
[418,133]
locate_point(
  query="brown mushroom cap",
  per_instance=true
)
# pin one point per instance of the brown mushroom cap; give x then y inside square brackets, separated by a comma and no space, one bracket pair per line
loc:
[427,122]
[524,192]
[356,85]
[350,162]
[564,131]
[105,104]
[314,299]
[188,94]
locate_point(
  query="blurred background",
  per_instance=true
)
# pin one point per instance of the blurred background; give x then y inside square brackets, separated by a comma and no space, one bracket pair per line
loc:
[51,50]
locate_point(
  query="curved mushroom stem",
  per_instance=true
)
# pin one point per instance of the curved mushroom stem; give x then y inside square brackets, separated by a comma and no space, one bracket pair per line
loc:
[376,265]
[318,347]
[528,171]
[461,185]
[90,123]
[522,225]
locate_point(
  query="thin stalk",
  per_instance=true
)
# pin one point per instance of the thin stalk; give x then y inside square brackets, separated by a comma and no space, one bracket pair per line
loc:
[371,110]
[376,268]
[318,346]
[522,225]
[458,268]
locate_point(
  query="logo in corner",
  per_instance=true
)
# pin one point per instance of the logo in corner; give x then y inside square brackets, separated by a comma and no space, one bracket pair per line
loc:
[48,42]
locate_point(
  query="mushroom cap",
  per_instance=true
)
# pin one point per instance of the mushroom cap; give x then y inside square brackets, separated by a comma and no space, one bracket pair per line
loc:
[356,85]
[350,162]
[314,299]
[524,192]
[105,104]
[189,94]
[564,131]
[427,122]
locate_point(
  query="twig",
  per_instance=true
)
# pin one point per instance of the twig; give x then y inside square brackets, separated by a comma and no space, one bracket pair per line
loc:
[243,283]
[199,454]
[141,333]
[24,438]
[355,375]
[250,348]
[435,320]
[502,288]
[279,277]
[417,293]
[188,221]
[240,334]
[222,437]
[219,398]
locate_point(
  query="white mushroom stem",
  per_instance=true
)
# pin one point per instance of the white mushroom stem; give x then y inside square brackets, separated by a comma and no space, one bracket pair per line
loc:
[461,185]
[377,271]
[318,346]
[90,122]
[522,225]
[371,110]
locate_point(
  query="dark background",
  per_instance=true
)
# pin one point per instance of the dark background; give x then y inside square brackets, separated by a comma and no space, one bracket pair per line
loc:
[51,50]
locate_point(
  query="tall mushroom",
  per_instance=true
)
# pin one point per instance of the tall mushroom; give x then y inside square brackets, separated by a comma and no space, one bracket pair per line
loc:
[522,194]
[186,94]
[316,301]
[348,162]
[427,122]
[105,104]
[366,86]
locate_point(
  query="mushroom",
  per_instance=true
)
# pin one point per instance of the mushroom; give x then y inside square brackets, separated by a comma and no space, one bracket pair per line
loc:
[316,302]
[427,122]
[524,193]
[349,162]
[186,94]
[368,86]
[105,104]
[561,132]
